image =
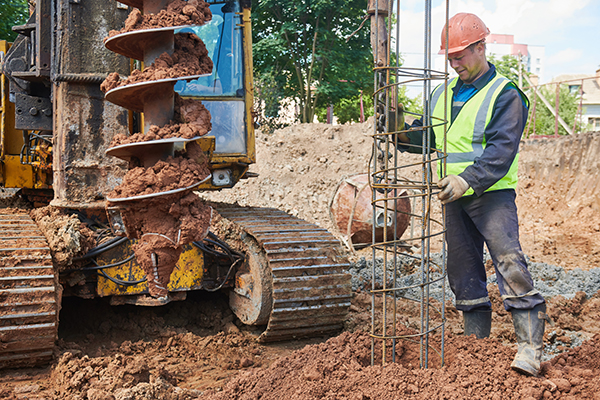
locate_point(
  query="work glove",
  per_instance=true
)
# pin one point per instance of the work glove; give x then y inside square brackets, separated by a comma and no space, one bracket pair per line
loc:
[453,187]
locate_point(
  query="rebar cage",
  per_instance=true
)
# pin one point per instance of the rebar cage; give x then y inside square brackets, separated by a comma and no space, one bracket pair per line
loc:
[396,178]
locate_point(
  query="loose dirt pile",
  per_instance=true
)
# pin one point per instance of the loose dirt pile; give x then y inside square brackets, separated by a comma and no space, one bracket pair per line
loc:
[341,369]
[177,13]
[67,236]
[559,200]
[198,349]
[170,174]
[191,120]
[301,166]
[190,58]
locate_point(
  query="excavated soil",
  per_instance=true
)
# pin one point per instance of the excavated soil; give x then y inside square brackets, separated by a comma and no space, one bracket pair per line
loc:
[67,236]
[173,173]
[177,13]
[198,349]
[163,225]
[190,58]
[191,120]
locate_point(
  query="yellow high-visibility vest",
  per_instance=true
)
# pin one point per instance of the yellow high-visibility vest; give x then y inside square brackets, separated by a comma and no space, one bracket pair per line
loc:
[466,135]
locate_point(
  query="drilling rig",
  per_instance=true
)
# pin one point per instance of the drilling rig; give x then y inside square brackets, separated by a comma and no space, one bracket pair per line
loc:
[86,122]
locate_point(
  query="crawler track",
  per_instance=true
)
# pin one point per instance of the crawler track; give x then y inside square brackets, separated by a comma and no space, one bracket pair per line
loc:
[311,290]
[28,304]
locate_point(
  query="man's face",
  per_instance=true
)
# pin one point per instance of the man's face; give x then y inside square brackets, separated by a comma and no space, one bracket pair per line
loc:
[467,63]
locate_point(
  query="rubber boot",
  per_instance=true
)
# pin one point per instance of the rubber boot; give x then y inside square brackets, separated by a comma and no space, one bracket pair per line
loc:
[529,327]
[478,323]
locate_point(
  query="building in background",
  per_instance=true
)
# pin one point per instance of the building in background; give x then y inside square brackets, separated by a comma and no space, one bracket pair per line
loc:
[590,113]
[532,56]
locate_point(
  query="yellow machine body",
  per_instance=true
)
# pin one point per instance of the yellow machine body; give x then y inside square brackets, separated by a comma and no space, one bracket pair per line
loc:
[187,275]
[34,174]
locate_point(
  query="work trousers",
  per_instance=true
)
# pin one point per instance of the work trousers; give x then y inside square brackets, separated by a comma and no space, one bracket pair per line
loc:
[491,219]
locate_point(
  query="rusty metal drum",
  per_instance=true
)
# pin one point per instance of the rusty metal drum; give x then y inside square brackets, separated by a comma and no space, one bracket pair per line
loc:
[351,211]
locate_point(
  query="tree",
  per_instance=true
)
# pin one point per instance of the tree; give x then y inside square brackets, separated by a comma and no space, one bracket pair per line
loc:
[542,122]
[267,101]
[348,109]
[543,119]
[507,65]
[303,45]
[13,12]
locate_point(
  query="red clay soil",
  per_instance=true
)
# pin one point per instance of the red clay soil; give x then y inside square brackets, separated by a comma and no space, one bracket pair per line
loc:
[193,113]
[189,58]
[192,119]
[177,13]
[185,218]
[341,369]
[157,254]
[197,349]
[163,225]
[172,173]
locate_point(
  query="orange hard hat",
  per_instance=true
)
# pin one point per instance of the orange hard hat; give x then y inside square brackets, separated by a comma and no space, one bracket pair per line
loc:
[464,29]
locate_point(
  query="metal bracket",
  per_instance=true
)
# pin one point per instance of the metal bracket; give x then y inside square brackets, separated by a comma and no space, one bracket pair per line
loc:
[116,221]
[222,177]
[33,113]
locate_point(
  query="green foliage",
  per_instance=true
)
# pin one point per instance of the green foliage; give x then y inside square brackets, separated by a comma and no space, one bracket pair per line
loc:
[268,92]
[543,122]
[348,109]
[13,12]
[302,44]
[414,105]
[506,65]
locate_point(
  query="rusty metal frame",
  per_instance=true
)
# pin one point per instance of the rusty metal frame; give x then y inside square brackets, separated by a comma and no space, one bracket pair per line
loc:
[387,167]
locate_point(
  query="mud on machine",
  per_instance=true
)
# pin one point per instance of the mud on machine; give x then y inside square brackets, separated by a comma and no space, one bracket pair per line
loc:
[279,271]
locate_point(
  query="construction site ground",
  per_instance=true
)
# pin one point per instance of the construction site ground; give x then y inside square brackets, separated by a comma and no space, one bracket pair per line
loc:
[198,349]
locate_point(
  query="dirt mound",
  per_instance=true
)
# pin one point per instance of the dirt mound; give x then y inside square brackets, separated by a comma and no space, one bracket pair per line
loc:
[301,166]
[340,369]
[136,351]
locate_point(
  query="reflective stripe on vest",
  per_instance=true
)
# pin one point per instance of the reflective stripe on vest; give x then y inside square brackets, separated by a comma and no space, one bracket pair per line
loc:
[466,136]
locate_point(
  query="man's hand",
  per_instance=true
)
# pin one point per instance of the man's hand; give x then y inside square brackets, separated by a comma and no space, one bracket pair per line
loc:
[453,188]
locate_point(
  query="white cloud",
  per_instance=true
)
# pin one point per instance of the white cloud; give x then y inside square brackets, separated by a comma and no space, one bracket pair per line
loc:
[565,56]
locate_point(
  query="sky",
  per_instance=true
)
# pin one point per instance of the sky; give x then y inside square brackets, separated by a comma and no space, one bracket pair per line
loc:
[569,30]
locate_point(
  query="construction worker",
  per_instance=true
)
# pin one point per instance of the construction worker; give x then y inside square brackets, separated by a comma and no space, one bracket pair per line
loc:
[487,115]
